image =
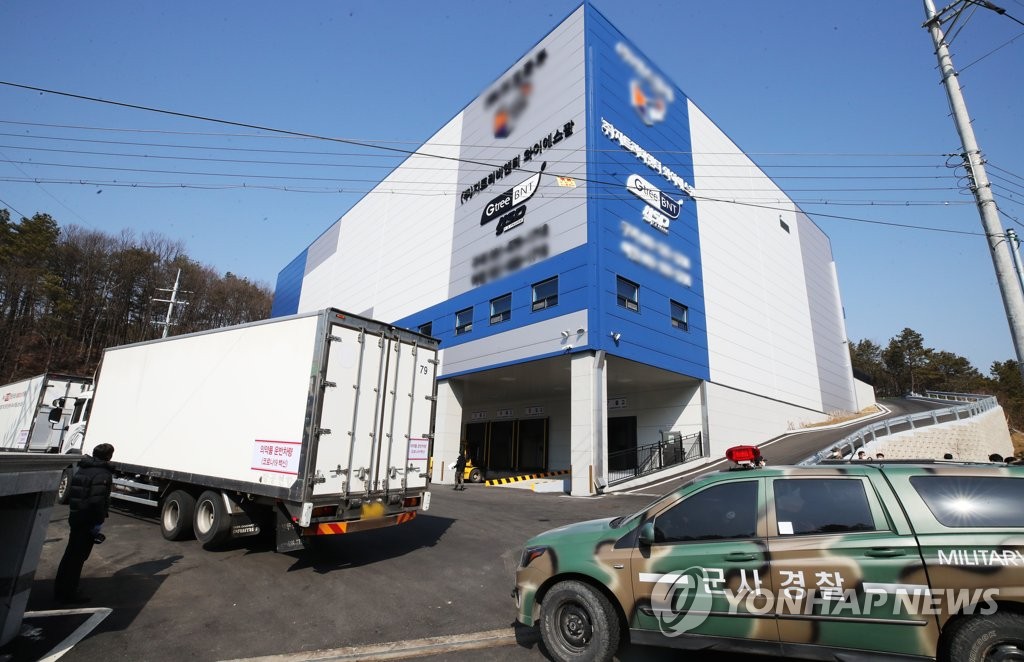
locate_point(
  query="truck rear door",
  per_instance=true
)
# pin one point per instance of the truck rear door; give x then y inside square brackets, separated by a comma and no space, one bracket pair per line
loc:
[376,404]
[408,401]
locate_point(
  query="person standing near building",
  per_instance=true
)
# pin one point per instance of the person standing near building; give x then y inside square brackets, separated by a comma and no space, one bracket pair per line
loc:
[89,498]
[460,469]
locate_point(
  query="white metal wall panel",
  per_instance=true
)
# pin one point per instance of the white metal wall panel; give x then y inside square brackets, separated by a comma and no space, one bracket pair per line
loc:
[515,345]
[554,72]
[664,409]
[835,368]
[736,417]
[391,246]
[758,318]
[200,404]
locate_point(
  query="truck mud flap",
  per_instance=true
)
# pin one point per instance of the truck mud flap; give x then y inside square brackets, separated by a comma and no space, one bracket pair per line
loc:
[292,538]
[286,534]
[335,528]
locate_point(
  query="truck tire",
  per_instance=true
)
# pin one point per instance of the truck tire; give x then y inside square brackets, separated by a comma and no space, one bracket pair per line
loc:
[176,513]
[999,636]
[63,487]
[212,521]
[578,623]
[476,476]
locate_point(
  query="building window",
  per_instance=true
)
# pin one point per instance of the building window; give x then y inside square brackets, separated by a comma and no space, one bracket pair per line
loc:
[501,308]
[680,316]
[545,293]
[464,321]
[784,225]
[427,329]
[628,293]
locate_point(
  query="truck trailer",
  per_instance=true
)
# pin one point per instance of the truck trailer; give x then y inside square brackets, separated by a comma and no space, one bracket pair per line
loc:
[32,412]
[315,424]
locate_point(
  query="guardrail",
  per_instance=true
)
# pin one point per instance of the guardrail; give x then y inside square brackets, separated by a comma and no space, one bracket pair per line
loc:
[973,404]
[674,448]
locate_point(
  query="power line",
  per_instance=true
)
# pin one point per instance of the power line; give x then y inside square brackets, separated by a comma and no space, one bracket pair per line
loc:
[368,142]
[993,51]
[375,191]
[11,207]
[874,166]
[396,150]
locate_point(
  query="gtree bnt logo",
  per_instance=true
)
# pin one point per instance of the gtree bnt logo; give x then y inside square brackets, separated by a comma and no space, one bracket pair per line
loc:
[509,207]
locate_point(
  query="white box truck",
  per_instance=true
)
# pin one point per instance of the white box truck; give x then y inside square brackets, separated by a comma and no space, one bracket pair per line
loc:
[316,424]
[32,413]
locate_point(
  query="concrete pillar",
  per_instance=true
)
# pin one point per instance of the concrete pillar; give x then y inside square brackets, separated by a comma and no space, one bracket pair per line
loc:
[447,431]
[588,420]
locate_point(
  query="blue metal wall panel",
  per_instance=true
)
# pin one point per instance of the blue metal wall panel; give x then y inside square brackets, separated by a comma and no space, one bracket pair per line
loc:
[289,287]
[639,128]
[570,267]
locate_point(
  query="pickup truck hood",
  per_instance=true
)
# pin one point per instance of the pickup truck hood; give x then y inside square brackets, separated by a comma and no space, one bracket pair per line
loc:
[571,534]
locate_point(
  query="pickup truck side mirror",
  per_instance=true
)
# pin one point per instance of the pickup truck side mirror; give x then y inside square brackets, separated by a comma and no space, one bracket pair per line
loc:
[646,535]
[55,414]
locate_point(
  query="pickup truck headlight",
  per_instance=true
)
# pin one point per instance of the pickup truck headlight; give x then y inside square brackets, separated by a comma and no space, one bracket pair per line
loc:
[530,554]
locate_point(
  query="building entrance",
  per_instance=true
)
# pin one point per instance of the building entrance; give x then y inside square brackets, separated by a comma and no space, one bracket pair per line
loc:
[509,446]
[621,440]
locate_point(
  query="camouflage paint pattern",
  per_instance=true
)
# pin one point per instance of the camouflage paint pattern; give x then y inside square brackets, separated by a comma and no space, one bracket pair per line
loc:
[900,579]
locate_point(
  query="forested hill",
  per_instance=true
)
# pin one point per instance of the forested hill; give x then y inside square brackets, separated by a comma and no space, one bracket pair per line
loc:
[66,293]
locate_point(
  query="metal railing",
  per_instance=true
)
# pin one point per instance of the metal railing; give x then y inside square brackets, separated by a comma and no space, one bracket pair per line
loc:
[973,405]
[674,448]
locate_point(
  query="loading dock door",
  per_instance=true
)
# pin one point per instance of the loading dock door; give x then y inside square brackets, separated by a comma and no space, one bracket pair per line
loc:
[533,444]
[501,451]
[476,442]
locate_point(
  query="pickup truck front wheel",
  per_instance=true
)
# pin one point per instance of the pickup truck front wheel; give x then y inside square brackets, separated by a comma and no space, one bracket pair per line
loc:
[578,623]
[995,638]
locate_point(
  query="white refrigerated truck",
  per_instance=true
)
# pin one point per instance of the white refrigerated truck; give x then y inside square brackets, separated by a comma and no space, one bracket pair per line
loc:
[316,424]
[33,416]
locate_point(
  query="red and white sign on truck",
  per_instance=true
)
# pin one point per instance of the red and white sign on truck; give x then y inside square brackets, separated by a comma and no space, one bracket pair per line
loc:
[313,424]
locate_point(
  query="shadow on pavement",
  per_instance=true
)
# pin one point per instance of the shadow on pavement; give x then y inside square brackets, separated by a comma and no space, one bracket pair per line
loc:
[330,553]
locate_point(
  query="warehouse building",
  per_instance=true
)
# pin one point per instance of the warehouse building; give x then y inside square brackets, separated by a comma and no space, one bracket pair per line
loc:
[596,311]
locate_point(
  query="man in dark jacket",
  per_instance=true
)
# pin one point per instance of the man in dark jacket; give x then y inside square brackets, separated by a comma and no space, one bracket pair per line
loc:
[89,498]
[460,468]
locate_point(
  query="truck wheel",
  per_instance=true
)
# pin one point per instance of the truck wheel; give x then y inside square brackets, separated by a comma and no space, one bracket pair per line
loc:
[578,623]
[476,476]
[63,487]
[176,514]
[212,520]
[999,636]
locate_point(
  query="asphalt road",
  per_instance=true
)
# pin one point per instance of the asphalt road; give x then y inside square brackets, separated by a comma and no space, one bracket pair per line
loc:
[448,572]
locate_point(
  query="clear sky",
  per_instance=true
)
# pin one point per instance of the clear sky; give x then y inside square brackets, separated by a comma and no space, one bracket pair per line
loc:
[839,102]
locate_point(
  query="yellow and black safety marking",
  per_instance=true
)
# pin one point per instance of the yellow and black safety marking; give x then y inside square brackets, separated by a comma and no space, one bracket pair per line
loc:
[516,479]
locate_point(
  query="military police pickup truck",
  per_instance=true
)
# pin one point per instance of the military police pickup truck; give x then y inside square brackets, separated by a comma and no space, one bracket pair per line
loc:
[841,561]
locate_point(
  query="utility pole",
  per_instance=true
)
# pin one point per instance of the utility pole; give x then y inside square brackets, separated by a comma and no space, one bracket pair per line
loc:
[1009,284]
[1014,240]
[170,303]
